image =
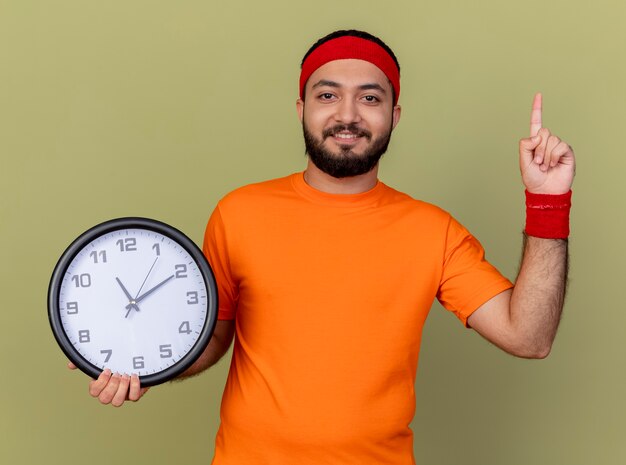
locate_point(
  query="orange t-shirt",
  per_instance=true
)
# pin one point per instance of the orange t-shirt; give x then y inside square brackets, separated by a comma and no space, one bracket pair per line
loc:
[330,294]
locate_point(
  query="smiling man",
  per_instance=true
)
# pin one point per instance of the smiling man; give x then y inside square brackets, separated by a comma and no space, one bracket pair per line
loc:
[326,277]
[358,126]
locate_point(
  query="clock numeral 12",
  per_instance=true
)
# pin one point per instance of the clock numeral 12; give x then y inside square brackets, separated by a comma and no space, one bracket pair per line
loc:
[128,244]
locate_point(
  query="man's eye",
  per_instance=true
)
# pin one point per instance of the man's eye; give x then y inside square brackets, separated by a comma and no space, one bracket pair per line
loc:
[371,98]
[326,96]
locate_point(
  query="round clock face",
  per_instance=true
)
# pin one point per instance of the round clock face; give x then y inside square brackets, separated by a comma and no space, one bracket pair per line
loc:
[133,295]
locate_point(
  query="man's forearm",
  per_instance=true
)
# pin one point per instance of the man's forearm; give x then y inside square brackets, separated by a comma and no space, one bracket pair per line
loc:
[208,358]
[218,345]
[539,293]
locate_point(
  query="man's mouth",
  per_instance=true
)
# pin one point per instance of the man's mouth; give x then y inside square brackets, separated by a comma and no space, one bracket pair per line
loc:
[346,135]
[346,139]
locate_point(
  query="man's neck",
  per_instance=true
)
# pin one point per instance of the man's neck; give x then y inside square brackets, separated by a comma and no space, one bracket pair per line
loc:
[321,181]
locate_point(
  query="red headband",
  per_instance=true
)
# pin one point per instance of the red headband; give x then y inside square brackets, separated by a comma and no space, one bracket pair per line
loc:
[346,47]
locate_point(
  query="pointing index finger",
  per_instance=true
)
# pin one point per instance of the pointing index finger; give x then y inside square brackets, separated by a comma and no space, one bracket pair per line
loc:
[535,115]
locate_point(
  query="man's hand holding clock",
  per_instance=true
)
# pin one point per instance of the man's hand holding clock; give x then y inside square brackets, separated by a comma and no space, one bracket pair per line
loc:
[115,388]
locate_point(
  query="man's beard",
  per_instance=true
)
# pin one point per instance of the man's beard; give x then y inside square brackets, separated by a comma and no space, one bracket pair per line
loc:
[345,163]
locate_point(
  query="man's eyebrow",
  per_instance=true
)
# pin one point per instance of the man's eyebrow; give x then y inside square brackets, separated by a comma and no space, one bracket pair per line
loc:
[373,86]
[326,83]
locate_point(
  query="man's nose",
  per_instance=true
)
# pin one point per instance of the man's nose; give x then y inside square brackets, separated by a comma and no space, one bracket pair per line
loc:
[347,111]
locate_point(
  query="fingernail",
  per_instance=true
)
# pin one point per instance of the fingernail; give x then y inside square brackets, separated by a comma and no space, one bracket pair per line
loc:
[536,138]
[538,160]
[107,371]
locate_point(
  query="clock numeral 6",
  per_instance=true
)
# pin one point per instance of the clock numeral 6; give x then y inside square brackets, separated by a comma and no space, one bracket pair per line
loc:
[83,280]
[181,271]
[128,244]
[166,350]
[184,328]
[71,308]
[138,362]
[193,297]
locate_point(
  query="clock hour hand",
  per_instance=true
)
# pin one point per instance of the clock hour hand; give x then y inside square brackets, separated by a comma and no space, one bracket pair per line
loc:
[123,288]
[133,303]
[147,293]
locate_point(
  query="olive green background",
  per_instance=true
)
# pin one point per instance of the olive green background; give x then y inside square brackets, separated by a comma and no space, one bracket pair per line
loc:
[158,109]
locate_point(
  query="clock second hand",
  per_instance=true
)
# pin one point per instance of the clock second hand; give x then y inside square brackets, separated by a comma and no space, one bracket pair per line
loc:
[144,281]
[133,302]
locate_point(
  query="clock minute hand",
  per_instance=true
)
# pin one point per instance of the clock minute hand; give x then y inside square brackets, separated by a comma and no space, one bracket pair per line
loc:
[147,293]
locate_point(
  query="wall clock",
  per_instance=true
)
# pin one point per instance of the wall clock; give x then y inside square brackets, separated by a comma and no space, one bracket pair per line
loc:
[134,295]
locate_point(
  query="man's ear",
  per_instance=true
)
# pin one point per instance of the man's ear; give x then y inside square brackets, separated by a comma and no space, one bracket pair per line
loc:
[397,110]
[300,108]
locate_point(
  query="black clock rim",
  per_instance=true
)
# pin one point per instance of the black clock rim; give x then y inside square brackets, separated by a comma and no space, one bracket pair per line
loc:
[126,223]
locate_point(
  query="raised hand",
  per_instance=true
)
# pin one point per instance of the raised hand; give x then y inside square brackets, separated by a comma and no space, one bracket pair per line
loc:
[547,163]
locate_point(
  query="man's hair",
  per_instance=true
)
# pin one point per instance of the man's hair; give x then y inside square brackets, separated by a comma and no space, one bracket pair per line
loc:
[353,33]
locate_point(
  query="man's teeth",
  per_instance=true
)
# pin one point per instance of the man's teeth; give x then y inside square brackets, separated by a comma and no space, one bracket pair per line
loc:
[346,136]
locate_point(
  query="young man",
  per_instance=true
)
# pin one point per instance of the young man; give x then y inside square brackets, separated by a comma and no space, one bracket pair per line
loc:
[327,277]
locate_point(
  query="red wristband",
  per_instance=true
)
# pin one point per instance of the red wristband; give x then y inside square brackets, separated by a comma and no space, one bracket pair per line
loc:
[547,216]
